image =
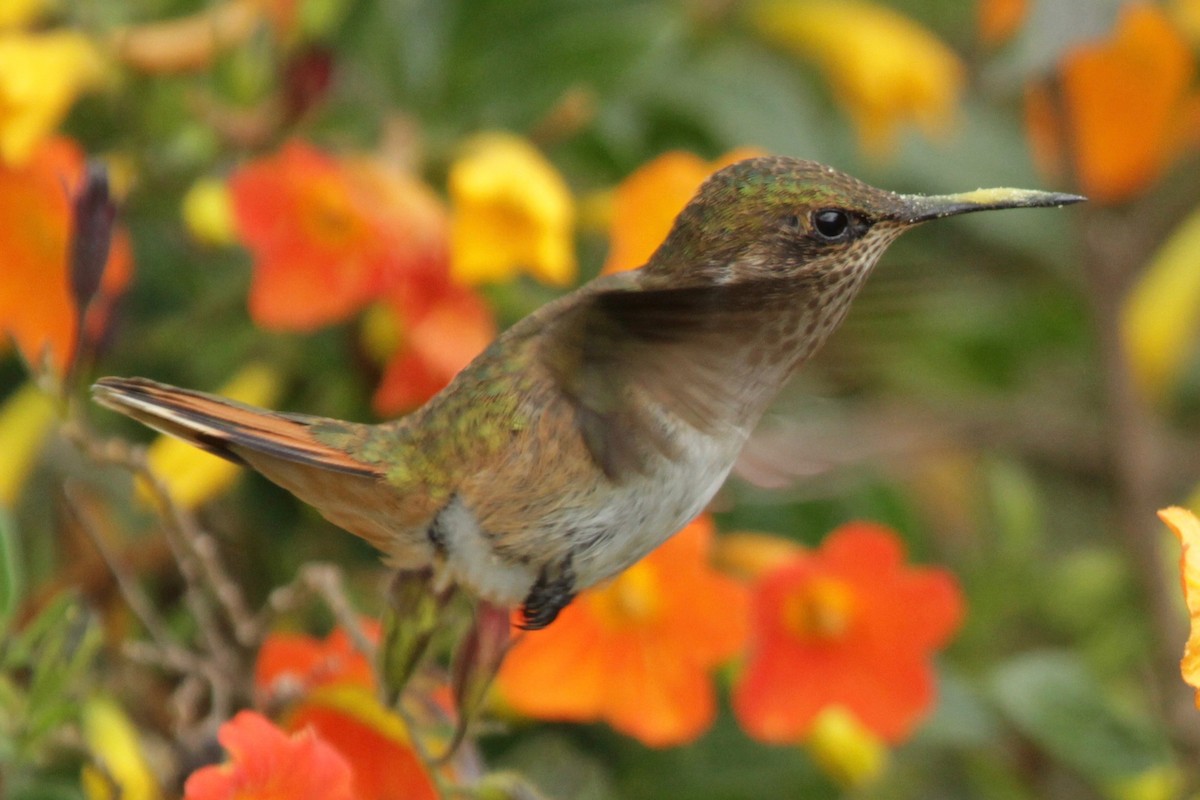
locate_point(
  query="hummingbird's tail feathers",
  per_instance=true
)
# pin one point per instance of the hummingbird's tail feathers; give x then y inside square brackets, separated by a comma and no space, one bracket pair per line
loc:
[225,427]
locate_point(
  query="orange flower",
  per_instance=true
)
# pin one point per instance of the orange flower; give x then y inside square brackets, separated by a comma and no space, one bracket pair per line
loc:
[1126,106]
[431,345]
[647,202]
[36,306]
[848,626]
[328,236]
[1186,527]
[372,739]
[332,689]
[269,765]
[295,661]
[637,651]
[999,20]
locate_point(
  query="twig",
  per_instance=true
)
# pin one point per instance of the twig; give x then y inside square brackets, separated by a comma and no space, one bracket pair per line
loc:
[1136,460]
[135,598]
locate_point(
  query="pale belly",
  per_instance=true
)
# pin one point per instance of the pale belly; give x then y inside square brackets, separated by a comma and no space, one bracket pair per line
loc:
[605,537]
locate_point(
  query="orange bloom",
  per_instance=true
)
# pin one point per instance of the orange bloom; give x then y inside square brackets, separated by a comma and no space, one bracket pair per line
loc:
[372,739]
[647,202]
[332,689]
[434,343]
[269,765]
[1126,106]
[999,20]
[1186,527]
[847,625]
[637,651]
[36,305]
[298,662]
[328,236]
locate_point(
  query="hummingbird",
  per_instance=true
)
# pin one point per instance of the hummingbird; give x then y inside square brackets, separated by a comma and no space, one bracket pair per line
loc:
[590,431]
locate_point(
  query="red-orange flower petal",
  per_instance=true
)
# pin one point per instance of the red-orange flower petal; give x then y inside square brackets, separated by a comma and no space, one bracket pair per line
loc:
[647,202]
[661,627]
[372,739]
[328,236]
[845,625]
[437,341]
[1126,103]
[298,662]
[36,306]
[267,764]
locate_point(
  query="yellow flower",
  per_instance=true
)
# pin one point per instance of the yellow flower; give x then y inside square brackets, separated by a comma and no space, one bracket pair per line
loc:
[1186,14]
[845,750]
[40,77]
[25,420]
[193,476]
[512,211]
[883,67]
[1162,313]
[1159,782]
[1186,527]
[119,768]
[18,13]
[208,213]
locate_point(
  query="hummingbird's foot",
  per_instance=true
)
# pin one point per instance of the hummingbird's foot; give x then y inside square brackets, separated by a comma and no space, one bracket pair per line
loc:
[551,593]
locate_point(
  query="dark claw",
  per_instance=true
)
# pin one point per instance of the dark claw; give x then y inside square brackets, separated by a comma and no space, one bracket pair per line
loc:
[551,593]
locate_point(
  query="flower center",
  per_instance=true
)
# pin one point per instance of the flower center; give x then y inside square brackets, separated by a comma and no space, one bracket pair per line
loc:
[822,609]
[329,216]
[633,598]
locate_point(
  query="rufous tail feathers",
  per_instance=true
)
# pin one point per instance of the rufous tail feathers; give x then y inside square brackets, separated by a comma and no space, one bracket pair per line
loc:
[225,427]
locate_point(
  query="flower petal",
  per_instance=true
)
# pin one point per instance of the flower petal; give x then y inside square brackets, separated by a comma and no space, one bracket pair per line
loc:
[371,738]
[648,200]
[1123,98]
[1186,527]
[40,77]
[267,764]
[846,625]
[662,626]
[885,68]
[512,211]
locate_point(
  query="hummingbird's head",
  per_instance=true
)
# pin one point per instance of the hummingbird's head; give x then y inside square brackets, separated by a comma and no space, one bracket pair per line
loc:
[787,218]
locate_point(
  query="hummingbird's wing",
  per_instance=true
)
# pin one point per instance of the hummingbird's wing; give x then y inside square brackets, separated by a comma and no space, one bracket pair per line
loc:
[625,356]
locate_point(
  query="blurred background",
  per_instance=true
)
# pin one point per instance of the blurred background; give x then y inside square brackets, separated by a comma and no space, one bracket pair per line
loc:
[330,206]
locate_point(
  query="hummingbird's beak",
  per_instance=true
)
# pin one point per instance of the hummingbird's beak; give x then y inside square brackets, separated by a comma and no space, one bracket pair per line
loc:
[920,208]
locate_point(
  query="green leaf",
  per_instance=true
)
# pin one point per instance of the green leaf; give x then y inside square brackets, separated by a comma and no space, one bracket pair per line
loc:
[11,587]
[1054,700]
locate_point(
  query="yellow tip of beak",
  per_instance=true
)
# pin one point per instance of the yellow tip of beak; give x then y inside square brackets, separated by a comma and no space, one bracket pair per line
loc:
[919,208]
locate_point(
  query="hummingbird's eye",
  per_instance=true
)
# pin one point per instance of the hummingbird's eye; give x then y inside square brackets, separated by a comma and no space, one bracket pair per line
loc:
[831,223]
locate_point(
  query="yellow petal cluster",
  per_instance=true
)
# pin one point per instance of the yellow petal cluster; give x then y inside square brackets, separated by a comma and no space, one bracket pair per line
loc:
[25,421]
[512,211]
[193,476]
[884,68]
[41,75]
[18,13]
[119,770]
[1162,314]
[1186,527]
[208,213]
[845,750]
